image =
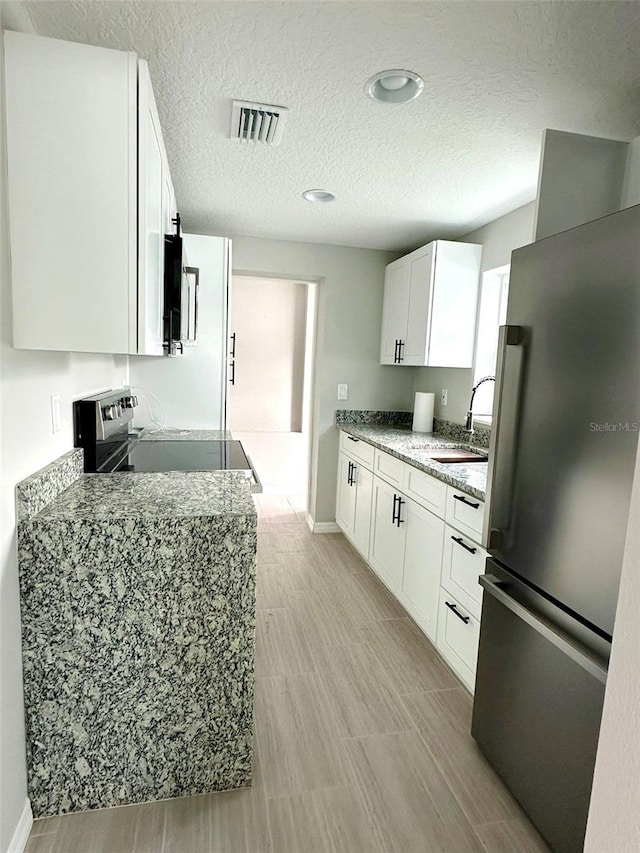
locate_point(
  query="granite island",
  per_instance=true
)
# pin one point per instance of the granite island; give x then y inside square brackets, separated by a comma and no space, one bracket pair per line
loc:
[138,615]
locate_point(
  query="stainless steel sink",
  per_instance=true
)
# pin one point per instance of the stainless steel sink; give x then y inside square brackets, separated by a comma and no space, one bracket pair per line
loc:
[434,446]
[463,457]
[451,454]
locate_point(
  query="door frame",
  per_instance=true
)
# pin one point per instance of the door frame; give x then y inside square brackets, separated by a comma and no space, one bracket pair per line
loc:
[311,402]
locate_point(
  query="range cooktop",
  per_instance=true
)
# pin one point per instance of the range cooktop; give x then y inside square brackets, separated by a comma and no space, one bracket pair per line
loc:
[156,456]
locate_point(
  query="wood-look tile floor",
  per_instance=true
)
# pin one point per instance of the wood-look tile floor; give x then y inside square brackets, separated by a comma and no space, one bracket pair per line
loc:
[362,740]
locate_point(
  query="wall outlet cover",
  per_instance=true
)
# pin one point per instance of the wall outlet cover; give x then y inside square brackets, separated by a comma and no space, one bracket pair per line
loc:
[443,397]
[343,392]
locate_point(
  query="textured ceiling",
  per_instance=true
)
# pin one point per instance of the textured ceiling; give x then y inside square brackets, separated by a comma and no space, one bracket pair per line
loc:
[465,152]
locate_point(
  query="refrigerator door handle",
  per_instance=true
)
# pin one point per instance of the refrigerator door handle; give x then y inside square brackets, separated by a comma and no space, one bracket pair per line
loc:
[501,452]
[491,585]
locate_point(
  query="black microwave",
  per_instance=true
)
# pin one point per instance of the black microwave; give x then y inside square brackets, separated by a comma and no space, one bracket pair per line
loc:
[181,285]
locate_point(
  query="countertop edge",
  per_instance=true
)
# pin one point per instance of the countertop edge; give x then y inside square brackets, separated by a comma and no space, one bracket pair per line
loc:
[133,496]
[434,469]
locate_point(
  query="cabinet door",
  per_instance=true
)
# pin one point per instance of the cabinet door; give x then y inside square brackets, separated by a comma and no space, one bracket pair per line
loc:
[422,562]
[463,561]
[151,220]
[395,310]
[454,303]
[386,553]
[465,513]
[346,496]
[71,151]
[420,291]
[458,637]
[362,516]
[169,207]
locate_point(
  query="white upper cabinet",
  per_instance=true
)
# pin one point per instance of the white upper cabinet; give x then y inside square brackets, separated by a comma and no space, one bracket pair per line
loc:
[84,187]
[397,285]
[154,203]
[430,303]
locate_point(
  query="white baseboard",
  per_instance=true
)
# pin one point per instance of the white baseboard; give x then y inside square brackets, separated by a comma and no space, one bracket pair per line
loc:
[21,834]
[322,526]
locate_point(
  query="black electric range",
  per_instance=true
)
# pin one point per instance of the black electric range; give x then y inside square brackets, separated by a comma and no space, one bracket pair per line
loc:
[185,455]
[102,427]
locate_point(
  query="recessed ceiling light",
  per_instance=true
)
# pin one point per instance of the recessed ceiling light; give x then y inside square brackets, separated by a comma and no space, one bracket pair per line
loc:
[395,86]
[318,195]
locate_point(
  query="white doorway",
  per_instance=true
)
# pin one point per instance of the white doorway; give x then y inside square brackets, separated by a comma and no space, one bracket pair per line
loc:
[272,331]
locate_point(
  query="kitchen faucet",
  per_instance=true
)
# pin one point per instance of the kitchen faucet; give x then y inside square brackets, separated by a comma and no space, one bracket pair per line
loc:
[469,422]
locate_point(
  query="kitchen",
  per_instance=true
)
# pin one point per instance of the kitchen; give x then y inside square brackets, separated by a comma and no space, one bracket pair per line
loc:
[30,378]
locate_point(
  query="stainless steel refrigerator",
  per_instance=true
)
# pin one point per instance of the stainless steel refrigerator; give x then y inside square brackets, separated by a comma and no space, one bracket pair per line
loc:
[565,430]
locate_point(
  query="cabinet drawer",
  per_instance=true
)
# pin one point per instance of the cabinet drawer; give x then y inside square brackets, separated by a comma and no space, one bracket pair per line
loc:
[465,513]
[458,634]
[425,490]
[390,469]
[357,449]
[463,562]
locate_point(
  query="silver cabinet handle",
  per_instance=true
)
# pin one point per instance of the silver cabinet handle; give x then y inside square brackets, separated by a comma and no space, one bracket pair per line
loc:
[491,584]
[502,445]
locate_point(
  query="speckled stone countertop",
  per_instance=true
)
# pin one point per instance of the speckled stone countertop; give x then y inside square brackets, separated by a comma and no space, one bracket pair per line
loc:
[137,598]
[400,442]
[171,494]
[185,435]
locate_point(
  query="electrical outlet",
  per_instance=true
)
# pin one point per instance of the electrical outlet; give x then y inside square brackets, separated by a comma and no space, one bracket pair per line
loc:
[443,397]
[56,413]
[343,392]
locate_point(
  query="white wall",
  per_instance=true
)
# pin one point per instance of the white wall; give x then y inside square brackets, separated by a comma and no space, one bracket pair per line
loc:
[268,317]
[348,341]
[190,387]
[27,379]
[499,238]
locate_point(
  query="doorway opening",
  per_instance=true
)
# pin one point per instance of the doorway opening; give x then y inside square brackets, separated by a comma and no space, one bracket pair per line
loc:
[272,333]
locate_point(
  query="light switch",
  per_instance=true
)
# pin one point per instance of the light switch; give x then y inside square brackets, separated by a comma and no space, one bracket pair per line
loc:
[56,414]
[343,392]
[443,397]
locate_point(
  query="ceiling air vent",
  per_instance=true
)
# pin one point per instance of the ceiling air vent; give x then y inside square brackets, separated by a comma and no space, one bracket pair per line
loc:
[257,122]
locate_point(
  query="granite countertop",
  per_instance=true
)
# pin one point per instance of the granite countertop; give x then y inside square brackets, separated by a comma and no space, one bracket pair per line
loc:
[185,435]
[174,494]
[398,441]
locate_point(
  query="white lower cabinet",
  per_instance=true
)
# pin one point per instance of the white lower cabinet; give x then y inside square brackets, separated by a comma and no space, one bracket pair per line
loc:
[458,636]
[422,561]
[389,468]
[430,566]
[465,513]
[353,505]
[463,561]
[388,533]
